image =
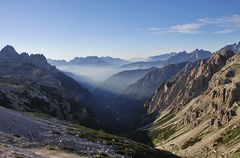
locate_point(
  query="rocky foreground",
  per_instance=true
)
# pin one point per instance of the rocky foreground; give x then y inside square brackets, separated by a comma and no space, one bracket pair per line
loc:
[21,134]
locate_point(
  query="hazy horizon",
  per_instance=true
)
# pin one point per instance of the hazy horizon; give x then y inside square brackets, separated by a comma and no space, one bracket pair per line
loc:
[62,29]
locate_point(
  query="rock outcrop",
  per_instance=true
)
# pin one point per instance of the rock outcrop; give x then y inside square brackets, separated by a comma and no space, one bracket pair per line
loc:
[8,52]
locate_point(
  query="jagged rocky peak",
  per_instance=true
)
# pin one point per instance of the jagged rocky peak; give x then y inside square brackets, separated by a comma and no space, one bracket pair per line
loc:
[201,54]
[37,59]
[183,52]
[234,47]
[34,57]
[8,52]
[199,51]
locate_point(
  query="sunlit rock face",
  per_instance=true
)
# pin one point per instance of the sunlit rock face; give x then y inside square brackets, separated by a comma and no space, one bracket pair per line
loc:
[198,110]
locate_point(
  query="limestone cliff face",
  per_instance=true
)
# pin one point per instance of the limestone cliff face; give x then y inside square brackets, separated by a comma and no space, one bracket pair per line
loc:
[189,83]
[220,101]
[199,109]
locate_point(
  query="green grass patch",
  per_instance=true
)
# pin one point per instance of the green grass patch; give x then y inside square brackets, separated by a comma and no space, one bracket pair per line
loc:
[236,67]
[190,142]
[122,145]
[162,134]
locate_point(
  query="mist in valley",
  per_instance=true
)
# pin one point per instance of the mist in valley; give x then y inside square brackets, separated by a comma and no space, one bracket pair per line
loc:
[120,79]
[94,74]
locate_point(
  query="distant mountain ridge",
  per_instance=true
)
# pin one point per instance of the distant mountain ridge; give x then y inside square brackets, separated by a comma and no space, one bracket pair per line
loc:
[118,82]
[234,47]
[91,61]
[57,62]
[164,56]
[193,56]
[115,84]
[171,58]
[152,61]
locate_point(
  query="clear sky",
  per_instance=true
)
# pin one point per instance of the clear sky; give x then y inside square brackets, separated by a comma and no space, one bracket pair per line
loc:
[63,29]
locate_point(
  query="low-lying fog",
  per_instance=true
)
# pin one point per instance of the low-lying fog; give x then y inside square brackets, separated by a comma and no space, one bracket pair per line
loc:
[97,74]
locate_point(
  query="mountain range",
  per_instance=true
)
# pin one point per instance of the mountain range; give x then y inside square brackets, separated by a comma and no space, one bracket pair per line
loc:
[90,61]
[164,56]
[48,112]
[184,104]
[143,63]
[171,58]
[127,91]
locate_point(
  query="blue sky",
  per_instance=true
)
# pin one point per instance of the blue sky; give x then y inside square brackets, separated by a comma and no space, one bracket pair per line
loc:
[63,29]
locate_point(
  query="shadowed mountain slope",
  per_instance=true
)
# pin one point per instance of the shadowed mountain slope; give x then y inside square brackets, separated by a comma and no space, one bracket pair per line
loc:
[29,83]
[130,103]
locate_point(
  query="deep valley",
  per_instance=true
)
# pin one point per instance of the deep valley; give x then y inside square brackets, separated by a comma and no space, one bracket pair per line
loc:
[187,105]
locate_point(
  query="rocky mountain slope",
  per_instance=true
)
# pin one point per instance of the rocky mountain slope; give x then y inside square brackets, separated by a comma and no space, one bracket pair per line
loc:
[27,135]
[188,83]
[29,83]
[107,92]
[130,103]
[143,64]
[42,94]
[198,110]
[115,84]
